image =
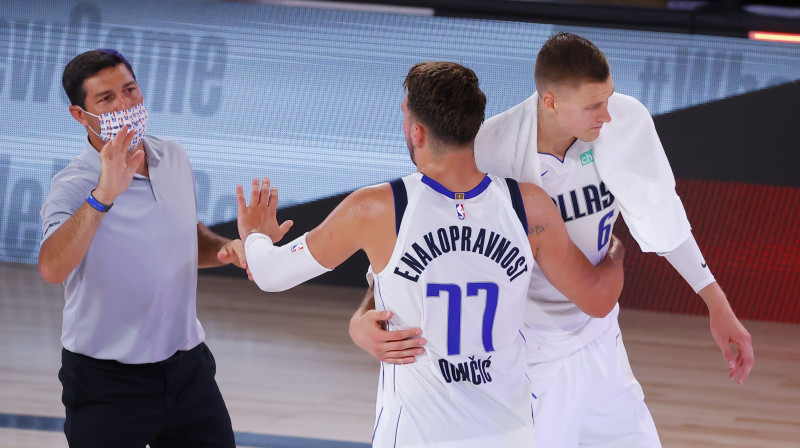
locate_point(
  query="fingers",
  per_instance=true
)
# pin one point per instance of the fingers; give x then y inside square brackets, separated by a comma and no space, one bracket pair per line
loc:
[127,139]
[404,357]
[233,252]
[272,198]
[377,318]
[107,150]
[408,345]
[740,364]
[263,196]
[239,252]
[254,192]
[284,227]
[241,205]
[121,142]
[135,161]
[384,336]
[378,315]
[730,358]
[737,371]
[224,255]
[401,352]
[114,147]
[746,358]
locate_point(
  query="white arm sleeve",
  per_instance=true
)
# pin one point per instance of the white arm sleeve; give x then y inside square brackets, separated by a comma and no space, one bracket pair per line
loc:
[688,261]
[278,268]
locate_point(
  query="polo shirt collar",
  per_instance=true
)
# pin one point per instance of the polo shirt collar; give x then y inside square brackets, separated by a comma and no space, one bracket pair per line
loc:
[91,156]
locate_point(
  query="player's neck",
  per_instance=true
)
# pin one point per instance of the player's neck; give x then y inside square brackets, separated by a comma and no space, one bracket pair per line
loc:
[550,136]
[454,170]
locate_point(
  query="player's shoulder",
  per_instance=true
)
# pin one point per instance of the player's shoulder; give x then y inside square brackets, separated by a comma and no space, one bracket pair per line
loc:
[371,201]
[532,193]
[539,206]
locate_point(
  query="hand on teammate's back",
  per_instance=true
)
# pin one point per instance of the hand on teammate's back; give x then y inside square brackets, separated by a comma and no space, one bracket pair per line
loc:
[394,347]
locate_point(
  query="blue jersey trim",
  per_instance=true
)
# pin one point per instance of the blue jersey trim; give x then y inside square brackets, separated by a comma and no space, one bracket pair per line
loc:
[517,203]
[396,429]
[400,201]
[377,423]
[467,194]
[556,157]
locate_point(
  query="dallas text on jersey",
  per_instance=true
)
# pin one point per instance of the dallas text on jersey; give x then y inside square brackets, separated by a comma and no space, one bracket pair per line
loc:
[594,200]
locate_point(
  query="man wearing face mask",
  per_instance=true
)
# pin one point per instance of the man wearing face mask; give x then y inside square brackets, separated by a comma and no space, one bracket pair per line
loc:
[121,232]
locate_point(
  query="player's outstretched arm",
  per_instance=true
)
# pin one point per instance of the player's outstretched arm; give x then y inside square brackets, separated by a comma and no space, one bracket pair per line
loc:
[594,289]
[367,330]
[356,223]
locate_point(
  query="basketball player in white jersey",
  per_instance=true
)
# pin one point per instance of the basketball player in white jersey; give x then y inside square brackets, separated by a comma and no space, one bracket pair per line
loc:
[452,249]
[585,391]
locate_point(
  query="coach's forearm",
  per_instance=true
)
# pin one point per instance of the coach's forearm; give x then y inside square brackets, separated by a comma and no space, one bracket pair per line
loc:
[62,251]
[208,244]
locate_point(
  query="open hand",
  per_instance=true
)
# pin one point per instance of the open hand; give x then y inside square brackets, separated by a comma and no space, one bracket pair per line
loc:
[118,165]
[260,216]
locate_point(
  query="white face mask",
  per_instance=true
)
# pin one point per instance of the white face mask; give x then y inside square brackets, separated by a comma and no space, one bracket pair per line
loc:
[112,122]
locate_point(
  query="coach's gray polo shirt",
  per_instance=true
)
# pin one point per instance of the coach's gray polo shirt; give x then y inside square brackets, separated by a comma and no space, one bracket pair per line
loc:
[132,298]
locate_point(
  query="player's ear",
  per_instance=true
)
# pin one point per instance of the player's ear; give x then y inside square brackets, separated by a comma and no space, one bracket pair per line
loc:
[548,100]
[418,135]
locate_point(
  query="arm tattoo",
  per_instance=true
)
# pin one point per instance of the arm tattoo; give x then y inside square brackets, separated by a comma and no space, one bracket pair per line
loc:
[538,229]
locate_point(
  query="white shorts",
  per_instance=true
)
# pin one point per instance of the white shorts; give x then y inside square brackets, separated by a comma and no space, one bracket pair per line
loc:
[415,411]
[592,399]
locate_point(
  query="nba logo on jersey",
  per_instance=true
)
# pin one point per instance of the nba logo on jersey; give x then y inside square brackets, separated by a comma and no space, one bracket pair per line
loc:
[460,210]
[298,246]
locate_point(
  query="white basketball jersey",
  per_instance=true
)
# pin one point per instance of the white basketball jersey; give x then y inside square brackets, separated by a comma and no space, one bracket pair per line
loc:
[460,270]
[555,327]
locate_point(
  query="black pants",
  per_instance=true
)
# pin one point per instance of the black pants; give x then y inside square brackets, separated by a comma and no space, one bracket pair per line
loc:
[172,403]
